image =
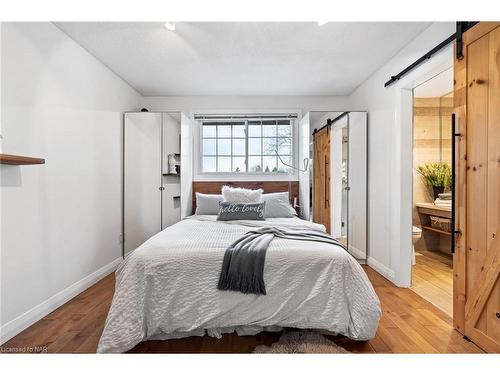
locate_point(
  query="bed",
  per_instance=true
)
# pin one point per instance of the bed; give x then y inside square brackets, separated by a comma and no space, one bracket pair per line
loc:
[166,288]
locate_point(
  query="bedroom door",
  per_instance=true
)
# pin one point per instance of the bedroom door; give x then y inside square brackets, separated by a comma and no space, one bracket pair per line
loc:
[476,260]
[142,178]
[321,178]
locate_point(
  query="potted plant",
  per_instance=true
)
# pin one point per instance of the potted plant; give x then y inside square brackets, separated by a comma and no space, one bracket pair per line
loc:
[437,176]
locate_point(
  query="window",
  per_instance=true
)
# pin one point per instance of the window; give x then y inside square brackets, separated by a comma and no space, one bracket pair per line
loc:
[253,146]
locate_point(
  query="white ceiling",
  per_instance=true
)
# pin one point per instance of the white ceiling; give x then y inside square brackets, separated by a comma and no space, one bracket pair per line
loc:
[235,58]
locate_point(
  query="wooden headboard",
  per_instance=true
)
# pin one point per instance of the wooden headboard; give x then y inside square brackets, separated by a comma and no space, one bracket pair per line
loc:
[214,187]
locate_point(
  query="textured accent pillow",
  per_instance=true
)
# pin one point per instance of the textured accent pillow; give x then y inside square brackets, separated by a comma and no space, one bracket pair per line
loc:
[278,205]
[207,204]
[241,211]
[241,195]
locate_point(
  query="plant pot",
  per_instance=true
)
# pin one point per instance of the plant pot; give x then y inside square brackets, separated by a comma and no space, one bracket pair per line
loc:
[436,190]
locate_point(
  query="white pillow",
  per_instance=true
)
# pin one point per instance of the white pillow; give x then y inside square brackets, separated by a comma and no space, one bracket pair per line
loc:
[241,195]
[278,205]
[207,204]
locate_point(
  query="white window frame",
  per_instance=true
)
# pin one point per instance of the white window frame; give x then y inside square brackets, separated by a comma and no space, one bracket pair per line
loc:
[199,175]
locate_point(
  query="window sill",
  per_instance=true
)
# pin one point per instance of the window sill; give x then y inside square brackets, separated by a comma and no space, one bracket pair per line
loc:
[246,177]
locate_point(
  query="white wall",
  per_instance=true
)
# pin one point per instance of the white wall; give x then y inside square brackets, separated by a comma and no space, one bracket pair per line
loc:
[60,221]
[390,150]
[187,104]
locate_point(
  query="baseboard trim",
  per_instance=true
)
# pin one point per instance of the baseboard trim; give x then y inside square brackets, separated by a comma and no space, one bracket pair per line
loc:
[19,324]
[356,252]
[381,269]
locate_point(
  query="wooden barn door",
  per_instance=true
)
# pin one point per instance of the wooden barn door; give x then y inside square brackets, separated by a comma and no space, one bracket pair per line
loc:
[321,178]
[477,188]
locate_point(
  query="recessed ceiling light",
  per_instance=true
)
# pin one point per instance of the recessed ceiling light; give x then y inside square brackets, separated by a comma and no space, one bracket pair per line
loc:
[170,25]
[321,23]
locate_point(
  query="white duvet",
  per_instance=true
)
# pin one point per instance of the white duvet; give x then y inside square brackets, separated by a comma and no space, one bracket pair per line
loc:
[167,287]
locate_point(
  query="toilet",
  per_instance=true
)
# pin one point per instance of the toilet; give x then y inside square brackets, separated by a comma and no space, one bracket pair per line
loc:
[416,234]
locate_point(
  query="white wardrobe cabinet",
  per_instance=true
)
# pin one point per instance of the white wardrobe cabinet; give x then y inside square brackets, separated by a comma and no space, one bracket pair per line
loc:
[151,195]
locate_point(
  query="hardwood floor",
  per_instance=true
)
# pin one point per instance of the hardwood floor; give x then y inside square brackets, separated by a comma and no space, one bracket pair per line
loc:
[432,279]
[409,324]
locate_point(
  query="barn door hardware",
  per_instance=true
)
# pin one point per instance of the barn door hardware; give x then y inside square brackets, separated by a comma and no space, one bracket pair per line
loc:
[462,27]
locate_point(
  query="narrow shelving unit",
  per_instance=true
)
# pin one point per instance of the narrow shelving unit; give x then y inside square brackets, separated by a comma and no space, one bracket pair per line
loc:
[20,160]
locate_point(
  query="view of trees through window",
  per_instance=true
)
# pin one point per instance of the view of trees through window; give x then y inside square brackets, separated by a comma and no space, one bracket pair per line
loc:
[253,146]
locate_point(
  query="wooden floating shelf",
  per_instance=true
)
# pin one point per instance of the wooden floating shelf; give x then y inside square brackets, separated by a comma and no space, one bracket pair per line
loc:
[171,174]
[436,230]
[19,160]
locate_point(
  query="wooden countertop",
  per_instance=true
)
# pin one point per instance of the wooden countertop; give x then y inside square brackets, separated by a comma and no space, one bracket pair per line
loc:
[432,209]
[433,206]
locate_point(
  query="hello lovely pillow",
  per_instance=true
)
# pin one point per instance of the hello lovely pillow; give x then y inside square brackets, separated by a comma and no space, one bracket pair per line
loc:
[241,211]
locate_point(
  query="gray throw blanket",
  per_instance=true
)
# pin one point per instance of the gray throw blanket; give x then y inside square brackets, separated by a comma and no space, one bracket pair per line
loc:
[243,264]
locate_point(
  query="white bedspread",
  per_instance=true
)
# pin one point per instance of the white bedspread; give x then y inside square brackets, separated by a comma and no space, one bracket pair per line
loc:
[167,287]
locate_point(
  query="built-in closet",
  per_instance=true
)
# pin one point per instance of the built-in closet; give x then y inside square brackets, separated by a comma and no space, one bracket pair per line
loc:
[151,175]
[339,177]
[476,229]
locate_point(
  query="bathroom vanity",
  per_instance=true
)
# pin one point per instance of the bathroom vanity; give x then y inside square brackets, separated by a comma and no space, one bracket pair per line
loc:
[426,210]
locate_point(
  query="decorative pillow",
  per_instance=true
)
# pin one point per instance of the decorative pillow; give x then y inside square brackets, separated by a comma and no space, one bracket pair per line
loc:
[293,211]
[241,211]
[207,204]
[278,205]
[241,195]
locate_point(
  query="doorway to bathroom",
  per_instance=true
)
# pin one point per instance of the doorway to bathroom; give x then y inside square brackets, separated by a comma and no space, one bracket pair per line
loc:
[432,270]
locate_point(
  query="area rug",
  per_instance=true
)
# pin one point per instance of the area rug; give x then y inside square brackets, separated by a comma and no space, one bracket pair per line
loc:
[303,341]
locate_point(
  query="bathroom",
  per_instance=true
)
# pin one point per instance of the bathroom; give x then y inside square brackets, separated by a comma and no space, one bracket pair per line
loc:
[432,271]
